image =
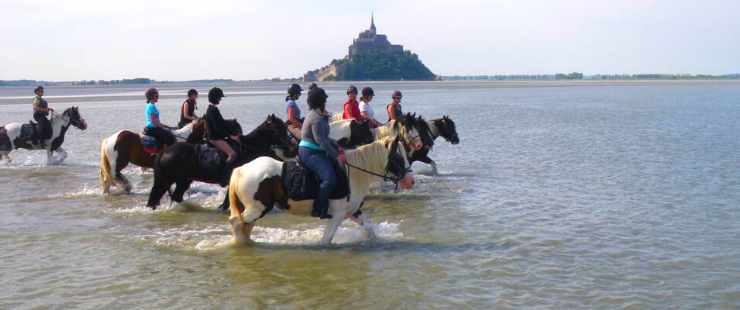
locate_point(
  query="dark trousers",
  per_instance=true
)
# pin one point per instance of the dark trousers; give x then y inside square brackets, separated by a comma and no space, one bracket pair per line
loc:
[320,163]
[44,125]
[161,135]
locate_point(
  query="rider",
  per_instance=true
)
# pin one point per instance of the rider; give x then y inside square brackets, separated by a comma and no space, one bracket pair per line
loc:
[187,113]
[394,109]
[352,107]
[317,152]
[295,122]
[154,128]
[216,129]
[40,110]
[365,109]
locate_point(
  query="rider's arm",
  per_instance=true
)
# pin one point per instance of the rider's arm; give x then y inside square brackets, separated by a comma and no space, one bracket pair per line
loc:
[389,108]
[348,111]
[185,108]
[37,108]
[153,118]
[322,139]
[293,120]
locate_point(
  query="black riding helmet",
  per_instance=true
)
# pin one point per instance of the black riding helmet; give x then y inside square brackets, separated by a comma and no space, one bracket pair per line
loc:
[367,91]
[192,92]
[214,94]
[312,86]
[396,94]
[36,90]
[294,89]
[317,98]
[352,89]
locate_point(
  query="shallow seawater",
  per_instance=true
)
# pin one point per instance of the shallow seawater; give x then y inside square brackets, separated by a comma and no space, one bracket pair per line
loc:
[558,196]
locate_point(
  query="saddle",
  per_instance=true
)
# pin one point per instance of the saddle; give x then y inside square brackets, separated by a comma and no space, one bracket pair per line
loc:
[29,132]
[210,158]
[300,183]
[150,144]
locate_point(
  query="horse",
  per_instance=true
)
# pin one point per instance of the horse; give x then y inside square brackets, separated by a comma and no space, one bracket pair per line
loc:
[124,147]
[178,164]
[17,135]
[443,127]
[350,134]
[395,128]
[256,187]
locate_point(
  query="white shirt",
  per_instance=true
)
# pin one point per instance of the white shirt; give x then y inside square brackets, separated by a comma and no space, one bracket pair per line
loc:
[364,107]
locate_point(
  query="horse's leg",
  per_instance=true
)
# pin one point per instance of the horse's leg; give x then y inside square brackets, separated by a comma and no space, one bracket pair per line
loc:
[64,154]
[49,157]
[431,162]
[159,188]
[331,229]
[126,183]
[182,187]
[225,205]
[7,156]
[240,230]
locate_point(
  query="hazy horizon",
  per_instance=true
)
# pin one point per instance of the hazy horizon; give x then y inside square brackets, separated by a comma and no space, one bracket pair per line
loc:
[253,40]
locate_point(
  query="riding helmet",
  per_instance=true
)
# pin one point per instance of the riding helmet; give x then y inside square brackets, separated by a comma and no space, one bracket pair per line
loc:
[396,94]
[192,92]
[351,89]
[312,86]
[367,91]
[214,94]
[317,98]
[38,88]
[149,93]
[294,89]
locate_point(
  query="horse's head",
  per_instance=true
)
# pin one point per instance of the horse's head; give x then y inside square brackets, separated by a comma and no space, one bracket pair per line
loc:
[408,134]
[232,124]
[279,135]
[446,128]
[360,133]
[72,115]
[398,165]
[419,131]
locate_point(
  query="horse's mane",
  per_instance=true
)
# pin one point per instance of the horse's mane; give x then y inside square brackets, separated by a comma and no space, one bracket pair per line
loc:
[372,157]
[388,129]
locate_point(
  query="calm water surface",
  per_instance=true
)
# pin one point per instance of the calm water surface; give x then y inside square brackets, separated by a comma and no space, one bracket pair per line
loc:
[558,196]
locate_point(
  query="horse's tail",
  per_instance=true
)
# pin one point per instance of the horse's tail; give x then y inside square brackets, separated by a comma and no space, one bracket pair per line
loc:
[105,175]
[234,203]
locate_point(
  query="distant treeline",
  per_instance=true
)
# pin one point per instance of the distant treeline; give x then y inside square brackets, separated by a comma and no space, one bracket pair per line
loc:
[136,81]
[580,76]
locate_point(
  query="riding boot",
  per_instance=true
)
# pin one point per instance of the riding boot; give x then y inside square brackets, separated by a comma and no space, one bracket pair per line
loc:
[321,212]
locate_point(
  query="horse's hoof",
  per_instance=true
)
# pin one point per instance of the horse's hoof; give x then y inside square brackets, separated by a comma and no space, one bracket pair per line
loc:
[152,207]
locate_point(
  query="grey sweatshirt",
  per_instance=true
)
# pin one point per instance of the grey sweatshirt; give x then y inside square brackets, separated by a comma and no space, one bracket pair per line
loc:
[316,130]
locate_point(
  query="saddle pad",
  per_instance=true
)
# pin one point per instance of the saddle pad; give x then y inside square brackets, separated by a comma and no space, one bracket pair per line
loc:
[302,184]
[210,158]
[149,142]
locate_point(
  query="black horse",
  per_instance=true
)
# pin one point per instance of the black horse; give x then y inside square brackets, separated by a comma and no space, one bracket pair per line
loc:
[443,127]
[178,164]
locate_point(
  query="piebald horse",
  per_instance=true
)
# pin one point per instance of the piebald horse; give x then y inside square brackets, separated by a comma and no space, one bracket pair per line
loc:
[124,147]
[443,127]
[10,135]
[256,187]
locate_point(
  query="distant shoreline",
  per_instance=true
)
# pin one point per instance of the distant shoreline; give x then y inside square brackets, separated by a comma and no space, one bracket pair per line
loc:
[164,95]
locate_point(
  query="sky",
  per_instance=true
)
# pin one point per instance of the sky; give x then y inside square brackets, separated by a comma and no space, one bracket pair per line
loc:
[185,40]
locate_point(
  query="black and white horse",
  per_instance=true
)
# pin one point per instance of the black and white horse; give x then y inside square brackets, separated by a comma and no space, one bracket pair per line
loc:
[256,187]
[15,136]
[442,127]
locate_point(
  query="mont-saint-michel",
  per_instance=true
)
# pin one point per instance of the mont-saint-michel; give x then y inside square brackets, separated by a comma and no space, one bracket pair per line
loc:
[371,57]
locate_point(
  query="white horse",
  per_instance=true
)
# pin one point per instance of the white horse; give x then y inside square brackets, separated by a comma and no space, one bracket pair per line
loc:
[255,188]
[124,147]
[11,135]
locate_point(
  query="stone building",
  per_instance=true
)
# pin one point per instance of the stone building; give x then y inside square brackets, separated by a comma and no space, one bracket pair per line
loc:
[370,41]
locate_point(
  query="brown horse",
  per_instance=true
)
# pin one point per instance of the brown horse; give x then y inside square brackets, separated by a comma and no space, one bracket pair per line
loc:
[124,147]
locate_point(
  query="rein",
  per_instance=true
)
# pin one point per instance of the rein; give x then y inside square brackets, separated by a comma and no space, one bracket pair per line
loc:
[384,176]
